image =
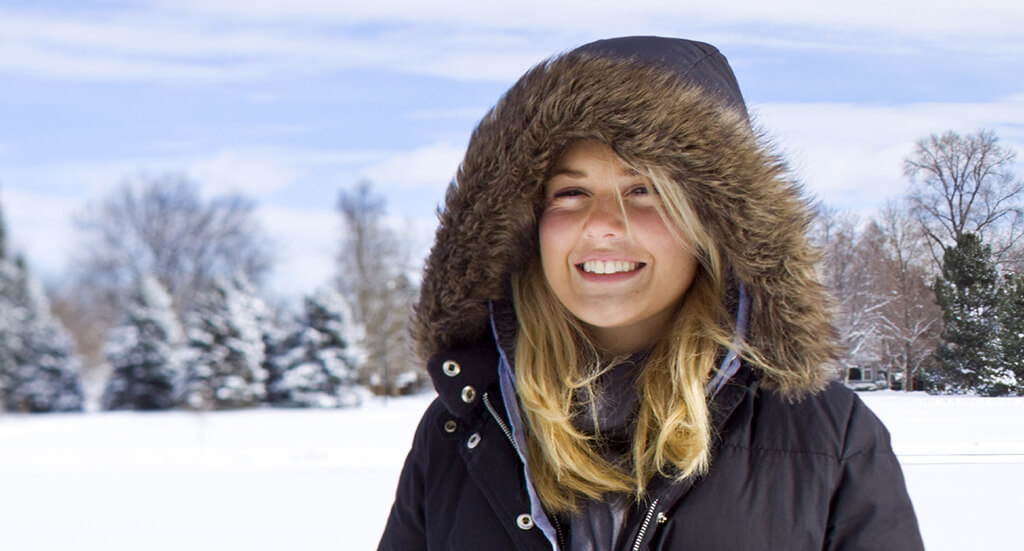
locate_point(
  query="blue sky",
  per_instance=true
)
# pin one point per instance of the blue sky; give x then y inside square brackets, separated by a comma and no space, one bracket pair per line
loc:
[290,101]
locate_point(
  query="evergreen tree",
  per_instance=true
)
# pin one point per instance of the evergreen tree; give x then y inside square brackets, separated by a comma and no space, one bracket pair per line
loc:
[9,324]
[280,338]
[39,371]
[967,292]
[314,369]
[8,315]
[225,365]
[1011,329]
[143,352]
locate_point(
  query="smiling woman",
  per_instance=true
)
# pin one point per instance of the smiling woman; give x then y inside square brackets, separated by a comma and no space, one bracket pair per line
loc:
[607,252]
[623,319]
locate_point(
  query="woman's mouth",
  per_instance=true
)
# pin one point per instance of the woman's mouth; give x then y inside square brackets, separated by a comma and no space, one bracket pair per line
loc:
[608,267]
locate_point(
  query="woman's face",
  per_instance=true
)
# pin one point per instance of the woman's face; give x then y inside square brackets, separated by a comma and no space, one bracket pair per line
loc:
[607,253]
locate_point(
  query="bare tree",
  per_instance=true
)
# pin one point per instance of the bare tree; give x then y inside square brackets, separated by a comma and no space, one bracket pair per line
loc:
[157,226]
[852,278]
[910,320]
[373,269]
[964,184]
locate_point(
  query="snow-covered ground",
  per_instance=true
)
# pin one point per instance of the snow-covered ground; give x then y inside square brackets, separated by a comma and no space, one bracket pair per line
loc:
[322,479]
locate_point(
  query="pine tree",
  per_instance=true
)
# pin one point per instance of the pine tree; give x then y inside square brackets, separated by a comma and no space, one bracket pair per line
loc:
[143,352]
[1011,329]
[315,369]
[967,292]
[9,323]
[280,339]
[39,371]
[225,348]
[8,315]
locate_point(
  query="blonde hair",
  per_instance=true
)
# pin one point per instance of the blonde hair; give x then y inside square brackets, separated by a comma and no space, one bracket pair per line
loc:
[556,365]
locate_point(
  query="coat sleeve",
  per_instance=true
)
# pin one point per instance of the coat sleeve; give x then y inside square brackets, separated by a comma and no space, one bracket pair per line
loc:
[406,530]
[870,507]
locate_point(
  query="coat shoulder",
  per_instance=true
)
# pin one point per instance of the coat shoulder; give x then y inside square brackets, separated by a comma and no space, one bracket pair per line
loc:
[833,422]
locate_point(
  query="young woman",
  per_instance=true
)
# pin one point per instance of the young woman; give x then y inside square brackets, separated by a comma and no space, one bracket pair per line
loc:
[628,337]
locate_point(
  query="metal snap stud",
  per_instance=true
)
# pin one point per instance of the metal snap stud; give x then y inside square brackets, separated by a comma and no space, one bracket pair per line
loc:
[451,368]
[474,440]
[524,522]
[450,426]
[468,394]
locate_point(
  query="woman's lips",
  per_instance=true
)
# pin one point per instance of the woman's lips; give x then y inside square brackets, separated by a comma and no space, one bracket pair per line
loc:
[608,271]
[607,267]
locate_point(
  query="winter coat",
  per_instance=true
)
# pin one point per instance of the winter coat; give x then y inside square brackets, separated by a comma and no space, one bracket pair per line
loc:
[816,474]
[796,462]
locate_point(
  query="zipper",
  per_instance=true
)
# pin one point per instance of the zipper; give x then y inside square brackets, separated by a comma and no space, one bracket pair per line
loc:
[558,531]
[508,434]
[501,423]
[646,524]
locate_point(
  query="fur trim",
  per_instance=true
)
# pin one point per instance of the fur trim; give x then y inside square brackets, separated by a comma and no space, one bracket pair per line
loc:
[649,114]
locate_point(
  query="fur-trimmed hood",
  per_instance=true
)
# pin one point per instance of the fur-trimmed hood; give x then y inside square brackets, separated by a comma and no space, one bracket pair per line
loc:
[666,102]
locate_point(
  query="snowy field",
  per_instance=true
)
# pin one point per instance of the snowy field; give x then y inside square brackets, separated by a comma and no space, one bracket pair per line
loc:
[300,479]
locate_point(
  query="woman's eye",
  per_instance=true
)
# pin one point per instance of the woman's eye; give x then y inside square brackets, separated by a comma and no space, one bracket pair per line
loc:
[639,190]
[567,193]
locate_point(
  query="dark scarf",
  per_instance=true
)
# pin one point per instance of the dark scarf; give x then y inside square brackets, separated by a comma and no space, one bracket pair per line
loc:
[598,525]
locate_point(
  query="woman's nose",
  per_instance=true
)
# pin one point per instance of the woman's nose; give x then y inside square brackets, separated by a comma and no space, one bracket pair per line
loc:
[606,218]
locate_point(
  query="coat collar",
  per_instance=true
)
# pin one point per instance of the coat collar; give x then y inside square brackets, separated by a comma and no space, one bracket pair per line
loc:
[462,374]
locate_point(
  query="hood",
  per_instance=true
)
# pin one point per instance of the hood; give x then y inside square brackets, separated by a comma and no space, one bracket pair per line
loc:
[667,102]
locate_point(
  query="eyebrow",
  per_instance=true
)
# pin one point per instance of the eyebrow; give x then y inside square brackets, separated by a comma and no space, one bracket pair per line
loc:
[574,173]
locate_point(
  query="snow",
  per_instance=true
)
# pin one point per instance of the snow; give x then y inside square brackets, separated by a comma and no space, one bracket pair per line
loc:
[963,459]
[268,479]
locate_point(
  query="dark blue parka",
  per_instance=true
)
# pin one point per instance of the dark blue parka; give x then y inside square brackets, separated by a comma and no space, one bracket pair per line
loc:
[797,462]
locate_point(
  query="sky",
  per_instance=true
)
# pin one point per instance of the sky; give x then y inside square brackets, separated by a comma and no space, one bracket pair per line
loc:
[289,102]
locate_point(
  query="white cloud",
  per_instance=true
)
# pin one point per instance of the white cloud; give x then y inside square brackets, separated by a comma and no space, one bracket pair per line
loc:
[457,113]
[305,234]
[851,155]
[306,245]
[432,166]
[924,17]
[40,227]
[242,172]
[252,171]
[201,40]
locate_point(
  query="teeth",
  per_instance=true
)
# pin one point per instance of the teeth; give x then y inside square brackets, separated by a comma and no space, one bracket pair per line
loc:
[604,267]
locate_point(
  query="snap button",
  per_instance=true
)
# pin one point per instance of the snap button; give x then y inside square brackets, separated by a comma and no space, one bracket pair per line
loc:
[449,426]
[468,394]
[524,522]
[662,518]
[474,440]
[451,368]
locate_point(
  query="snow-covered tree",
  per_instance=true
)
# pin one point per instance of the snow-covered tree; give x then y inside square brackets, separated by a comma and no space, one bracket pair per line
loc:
[143,352]
[850,270]
[225,348]
[160,226]
[39,371]
[911,320]
[373,268]
[967,292]
[1011,329]
[155,225]
[314,367]
[279,334]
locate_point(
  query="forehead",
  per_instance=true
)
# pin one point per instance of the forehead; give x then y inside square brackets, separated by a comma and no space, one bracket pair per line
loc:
[585,157]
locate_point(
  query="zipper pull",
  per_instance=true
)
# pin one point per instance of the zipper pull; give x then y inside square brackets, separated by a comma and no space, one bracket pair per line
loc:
[647,523]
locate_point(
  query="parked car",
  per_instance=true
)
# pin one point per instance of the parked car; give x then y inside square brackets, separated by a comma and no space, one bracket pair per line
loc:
[880,384]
